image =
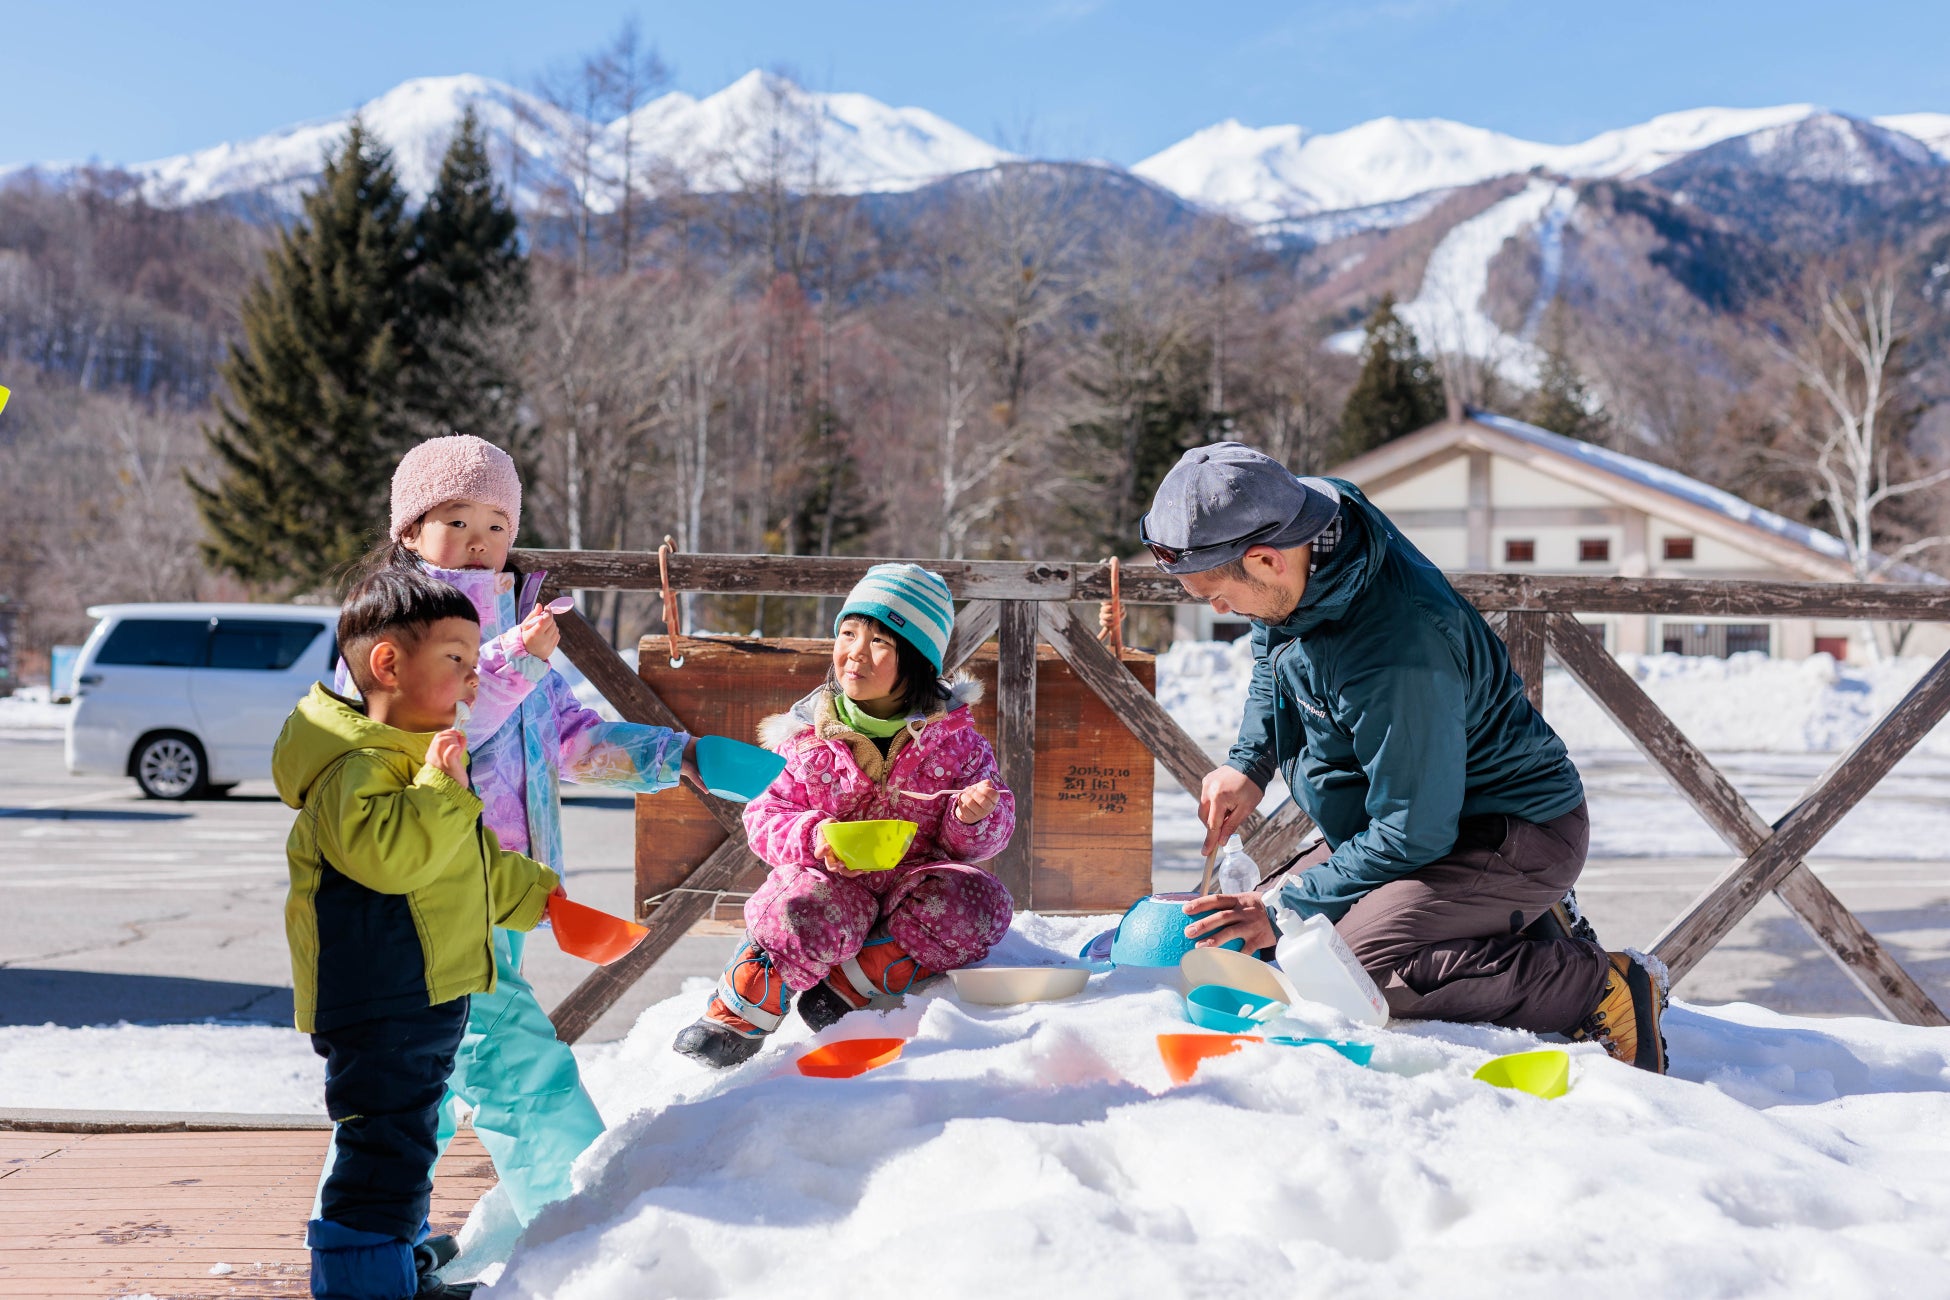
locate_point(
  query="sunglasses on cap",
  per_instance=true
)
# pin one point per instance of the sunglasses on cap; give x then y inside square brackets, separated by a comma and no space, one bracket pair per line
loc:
[1174,554]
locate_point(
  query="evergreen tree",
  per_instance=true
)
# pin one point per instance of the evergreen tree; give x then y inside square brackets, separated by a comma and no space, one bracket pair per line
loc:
[465,300]
[1153,400]
[1398,391]
[1562,402]
[307,441]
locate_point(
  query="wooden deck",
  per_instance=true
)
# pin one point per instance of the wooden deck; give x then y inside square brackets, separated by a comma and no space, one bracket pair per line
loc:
[124,1214]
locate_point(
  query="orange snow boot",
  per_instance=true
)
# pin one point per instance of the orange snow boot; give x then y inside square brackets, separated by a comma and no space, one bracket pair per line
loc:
[1625,1022]
[750,1002]
[881,967]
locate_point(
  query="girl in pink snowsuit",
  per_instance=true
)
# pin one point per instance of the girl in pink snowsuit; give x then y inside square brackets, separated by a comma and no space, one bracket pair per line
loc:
[883,730]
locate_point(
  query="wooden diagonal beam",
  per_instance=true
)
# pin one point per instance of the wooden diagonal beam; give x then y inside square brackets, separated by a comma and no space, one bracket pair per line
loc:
[1867,964]
[974,623]
[1272,842]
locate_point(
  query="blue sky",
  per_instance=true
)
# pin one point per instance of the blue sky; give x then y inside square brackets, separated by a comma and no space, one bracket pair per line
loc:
[1116,79]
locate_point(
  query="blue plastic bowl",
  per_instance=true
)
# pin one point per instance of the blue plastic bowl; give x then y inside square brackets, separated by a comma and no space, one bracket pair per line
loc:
[1152,932]
[1230,1011]
[1359,1053]
[734,770]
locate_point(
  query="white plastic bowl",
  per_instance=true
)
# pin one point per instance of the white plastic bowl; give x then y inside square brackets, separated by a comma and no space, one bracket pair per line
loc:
[1005,986]
[1234,970]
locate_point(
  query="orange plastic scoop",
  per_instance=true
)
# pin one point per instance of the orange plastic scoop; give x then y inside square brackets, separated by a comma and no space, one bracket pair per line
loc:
[1183,1052]
[593,935]
[852,1056]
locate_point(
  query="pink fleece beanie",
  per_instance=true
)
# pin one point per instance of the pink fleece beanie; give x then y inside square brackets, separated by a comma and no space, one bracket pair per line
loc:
[459,467]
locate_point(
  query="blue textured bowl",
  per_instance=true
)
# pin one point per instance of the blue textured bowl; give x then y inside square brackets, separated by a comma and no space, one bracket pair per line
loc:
[734,770]
[1230,1011]
[1152,932]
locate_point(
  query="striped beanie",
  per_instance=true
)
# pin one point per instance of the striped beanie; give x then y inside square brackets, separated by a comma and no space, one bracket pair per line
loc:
[909,599]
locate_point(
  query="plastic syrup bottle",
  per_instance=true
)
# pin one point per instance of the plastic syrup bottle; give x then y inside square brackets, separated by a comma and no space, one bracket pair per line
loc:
[1322,968]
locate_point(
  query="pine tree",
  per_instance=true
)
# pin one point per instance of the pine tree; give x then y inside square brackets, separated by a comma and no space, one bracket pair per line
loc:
[1562,402]
[307,442]
[468,291]
[1398,391]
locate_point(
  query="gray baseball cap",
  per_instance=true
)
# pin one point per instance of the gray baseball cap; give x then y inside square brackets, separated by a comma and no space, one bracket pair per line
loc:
[1221,500]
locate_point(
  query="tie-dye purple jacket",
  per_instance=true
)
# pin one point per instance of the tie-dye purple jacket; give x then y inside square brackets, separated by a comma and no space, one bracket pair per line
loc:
[527,732]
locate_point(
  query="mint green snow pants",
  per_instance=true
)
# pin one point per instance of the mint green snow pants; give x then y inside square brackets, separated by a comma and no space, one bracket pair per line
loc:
[530,1108]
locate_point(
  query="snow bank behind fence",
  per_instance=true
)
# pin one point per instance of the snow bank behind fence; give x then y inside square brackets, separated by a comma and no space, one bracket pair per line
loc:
[1747,703]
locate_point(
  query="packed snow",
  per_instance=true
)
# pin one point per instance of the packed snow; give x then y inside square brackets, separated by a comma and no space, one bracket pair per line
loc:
[1041,1150]
[31,710]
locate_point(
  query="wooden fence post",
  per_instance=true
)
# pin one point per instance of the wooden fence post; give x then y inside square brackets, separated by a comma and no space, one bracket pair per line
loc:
[1015,744]
[1523,633]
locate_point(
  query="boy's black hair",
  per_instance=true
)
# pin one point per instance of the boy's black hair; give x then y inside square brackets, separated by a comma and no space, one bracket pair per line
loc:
[917,680]
[396,604]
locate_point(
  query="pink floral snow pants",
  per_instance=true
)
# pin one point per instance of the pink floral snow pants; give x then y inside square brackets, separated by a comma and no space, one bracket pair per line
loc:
[944,914]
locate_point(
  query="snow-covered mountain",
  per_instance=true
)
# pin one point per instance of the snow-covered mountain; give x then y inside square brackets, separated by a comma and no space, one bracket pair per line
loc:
[1280,172]
[844,142]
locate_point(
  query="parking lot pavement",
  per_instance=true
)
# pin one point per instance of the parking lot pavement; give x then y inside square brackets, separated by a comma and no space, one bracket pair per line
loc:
[119,907]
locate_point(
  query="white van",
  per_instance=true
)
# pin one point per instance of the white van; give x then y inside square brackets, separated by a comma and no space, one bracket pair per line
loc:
[189,698]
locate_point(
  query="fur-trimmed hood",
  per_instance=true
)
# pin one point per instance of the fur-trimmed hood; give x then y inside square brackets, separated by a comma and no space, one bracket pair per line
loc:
[813,717]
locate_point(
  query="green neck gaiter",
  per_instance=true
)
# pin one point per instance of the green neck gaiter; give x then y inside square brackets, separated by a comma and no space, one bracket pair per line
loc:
[863,722]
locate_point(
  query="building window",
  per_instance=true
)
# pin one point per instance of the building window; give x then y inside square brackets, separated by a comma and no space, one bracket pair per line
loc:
[1519,550]
[1594,550]
[1679,548]
[1716,639]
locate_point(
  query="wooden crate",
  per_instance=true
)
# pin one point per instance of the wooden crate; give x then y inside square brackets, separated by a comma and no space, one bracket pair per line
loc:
[1092,845]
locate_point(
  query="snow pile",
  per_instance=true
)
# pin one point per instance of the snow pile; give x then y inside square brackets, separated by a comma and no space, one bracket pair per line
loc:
[247,1069]
[1749,703]
[1040,1150]
[32,709]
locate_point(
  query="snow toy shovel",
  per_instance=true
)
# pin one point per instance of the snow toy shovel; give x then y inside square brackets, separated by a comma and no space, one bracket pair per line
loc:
[1007,986]
[1545,1073]
[593,935]
[871,846]
[843,1060]
[1183,1052]
[1214,1006]
[734,770]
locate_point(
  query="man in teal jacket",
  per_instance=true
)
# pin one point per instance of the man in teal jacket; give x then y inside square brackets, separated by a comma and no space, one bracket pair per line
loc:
[1454,822]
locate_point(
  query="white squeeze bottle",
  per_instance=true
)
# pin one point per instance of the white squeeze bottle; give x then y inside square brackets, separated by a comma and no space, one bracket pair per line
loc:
[1322,968]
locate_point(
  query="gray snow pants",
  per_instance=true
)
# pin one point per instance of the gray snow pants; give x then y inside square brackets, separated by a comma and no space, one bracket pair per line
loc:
[1442,941]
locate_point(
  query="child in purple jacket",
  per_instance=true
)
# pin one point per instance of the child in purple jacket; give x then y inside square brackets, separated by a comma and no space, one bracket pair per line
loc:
[882,732]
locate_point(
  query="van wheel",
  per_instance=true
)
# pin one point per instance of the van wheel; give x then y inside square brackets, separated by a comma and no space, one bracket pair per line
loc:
[171,766]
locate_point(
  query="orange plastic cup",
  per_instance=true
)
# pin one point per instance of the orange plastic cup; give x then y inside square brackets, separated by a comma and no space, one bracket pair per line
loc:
[1183,1052]
[844,1059]
[591,934]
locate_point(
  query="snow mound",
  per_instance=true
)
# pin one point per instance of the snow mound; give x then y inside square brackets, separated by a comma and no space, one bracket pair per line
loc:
[32,709]
[1040,1150]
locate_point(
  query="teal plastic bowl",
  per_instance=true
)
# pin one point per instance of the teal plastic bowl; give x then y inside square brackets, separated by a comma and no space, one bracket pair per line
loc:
[1152,932]
[734,770]
[1230,1011]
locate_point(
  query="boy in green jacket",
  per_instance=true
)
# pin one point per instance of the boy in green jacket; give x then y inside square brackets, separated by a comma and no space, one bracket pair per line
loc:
[395,890]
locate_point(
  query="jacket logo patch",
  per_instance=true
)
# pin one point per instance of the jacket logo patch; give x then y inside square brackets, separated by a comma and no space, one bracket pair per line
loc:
[1311,707]
[893,616]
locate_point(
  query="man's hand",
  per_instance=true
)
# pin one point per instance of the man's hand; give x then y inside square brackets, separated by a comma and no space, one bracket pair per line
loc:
[1225,799]
[539,635]
[448,752]
[1234,916]
[976,802]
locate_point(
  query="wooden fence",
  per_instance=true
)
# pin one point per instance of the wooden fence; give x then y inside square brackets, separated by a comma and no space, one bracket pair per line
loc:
[1022,602]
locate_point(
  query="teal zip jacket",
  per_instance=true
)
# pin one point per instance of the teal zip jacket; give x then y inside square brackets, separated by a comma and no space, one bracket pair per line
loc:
[1392,711]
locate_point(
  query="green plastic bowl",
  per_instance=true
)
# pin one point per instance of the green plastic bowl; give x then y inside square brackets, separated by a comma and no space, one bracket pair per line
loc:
[1545,1073]
[871,846]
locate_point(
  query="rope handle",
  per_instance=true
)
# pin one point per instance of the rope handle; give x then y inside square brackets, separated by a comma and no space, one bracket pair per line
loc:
[672,611]
[1112,631]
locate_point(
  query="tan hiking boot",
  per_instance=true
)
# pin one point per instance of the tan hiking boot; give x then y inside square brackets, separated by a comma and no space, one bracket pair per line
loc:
[1626,1019]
